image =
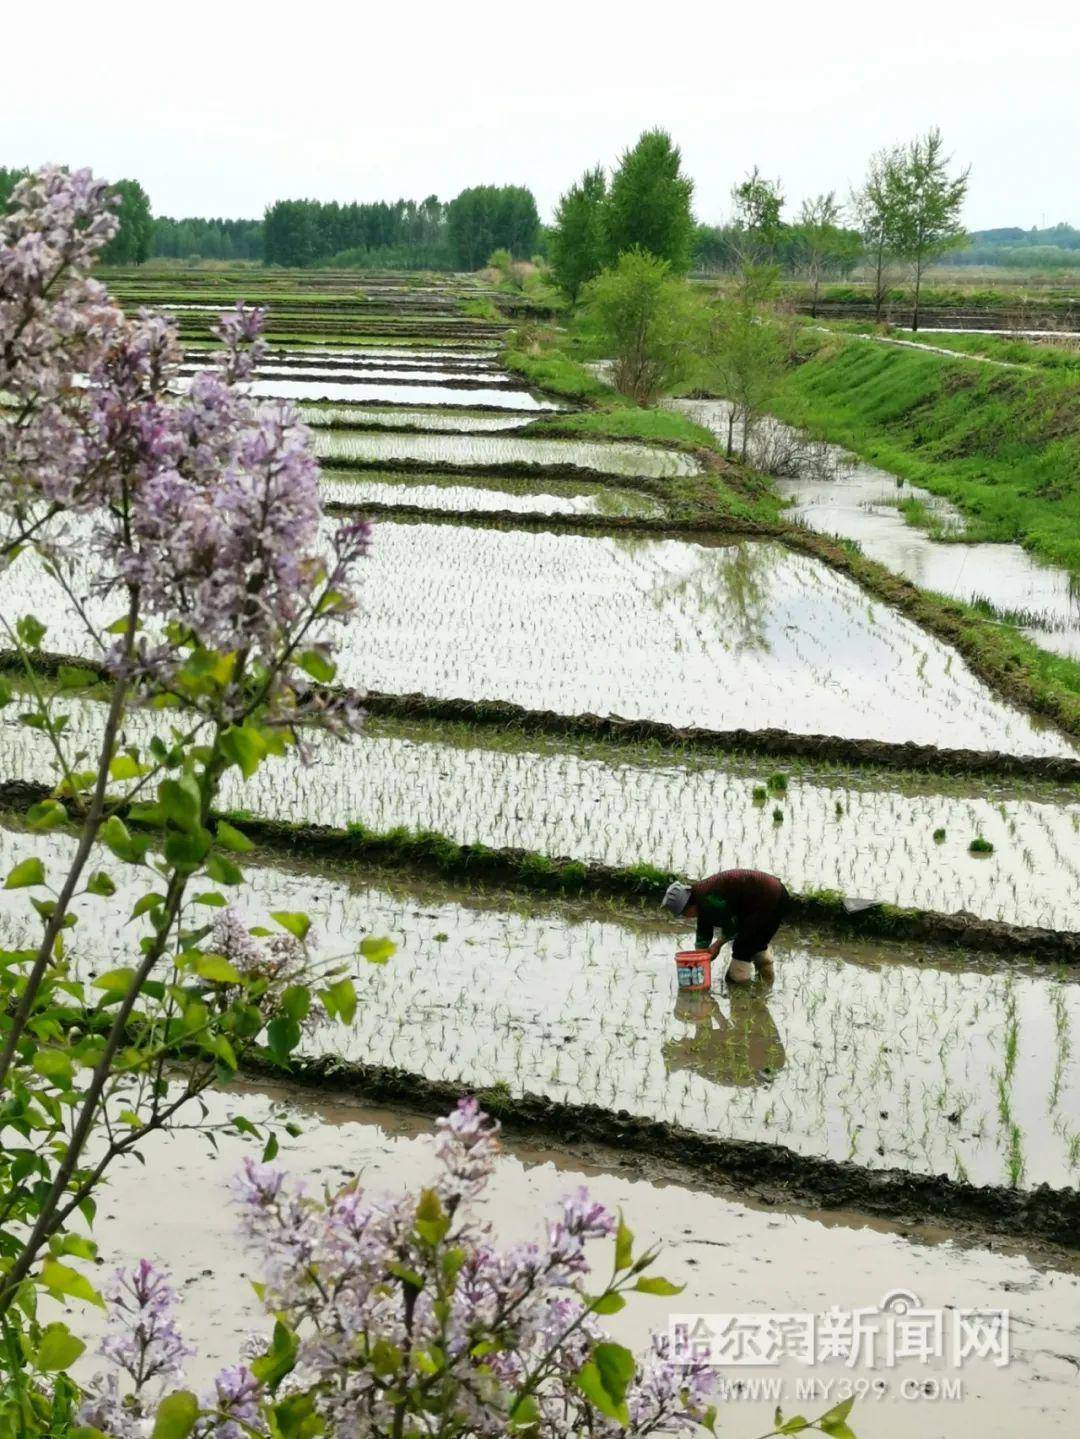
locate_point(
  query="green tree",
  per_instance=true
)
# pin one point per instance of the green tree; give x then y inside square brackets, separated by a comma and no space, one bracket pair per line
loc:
[491,217]
[822,245]
[924,217]
[649,321]
[132,242]
[756,222]
[746,351]
[648,206]
[873,205]
[576,240]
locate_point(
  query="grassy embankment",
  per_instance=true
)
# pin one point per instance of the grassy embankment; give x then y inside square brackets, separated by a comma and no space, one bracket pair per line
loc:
[1003,444]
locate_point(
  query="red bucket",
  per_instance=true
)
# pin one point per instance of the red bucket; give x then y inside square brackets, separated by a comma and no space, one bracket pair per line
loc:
[694,969]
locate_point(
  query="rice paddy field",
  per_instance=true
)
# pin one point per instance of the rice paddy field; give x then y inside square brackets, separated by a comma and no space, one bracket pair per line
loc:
[868,1066]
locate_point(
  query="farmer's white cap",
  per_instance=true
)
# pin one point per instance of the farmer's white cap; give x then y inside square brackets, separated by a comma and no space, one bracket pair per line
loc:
[677,898]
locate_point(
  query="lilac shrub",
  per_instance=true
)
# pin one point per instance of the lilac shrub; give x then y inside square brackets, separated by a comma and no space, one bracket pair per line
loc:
[188,516]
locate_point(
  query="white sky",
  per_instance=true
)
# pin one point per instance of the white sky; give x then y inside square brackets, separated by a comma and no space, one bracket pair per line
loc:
[219,108]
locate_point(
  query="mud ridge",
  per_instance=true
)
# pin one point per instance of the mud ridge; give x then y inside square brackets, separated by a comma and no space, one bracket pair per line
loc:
[768,1172]
[773,743]
[643,885]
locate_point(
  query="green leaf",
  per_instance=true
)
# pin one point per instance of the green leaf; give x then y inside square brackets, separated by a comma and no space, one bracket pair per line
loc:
[271,1368]
[653,1284]
[181,801]
[186,852]
[591,1383]
[46,815]
[525,1414]
[123,766]
[55,1065]
[26,873]
[243,747]
[295,922]
[282,1037]
[100,883]
[432,1221]
[114,835]
[794,1425]
[229,837]
[624,1246]
[617,1368]
[317,666]
[116,981]
[147,903]
[377,951]
[340,1001]
[176,1415]
[222,870]
[211,898]
[834,1421]
[58,1348]
[59,1280]
[608,1304]
[216,969]
[31,631]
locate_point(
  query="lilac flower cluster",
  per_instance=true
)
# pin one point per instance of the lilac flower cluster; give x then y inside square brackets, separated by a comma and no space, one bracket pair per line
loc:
[269,965]
[334,1272]
[405,1299]
[203,506]
[147,1352]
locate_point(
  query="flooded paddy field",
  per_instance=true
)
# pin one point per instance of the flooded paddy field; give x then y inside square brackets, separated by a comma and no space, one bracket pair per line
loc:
[491,451]
[487,493]
[387,372]
[735,635]
[858,501]
[903,841]
[733,1255]
[391,392]
[889,1056]
[456,421]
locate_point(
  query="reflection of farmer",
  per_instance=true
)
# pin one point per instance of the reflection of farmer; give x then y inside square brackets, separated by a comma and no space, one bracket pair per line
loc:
[745,1049]
[746,906]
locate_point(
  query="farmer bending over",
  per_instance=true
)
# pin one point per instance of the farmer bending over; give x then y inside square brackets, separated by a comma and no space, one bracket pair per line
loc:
[744,904]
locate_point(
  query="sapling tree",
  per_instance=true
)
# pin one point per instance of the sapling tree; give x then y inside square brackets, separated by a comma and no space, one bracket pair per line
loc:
[874,207]
[822,245]
[650,322]
[215,596]
[924,213]
[745,351]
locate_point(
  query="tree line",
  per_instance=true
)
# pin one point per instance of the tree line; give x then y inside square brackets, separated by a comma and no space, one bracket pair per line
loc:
[905,213]
[134,239]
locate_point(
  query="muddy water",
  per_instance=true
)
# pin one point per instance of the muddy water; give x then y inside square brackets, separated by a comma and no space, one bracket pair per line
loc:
[746,635]
[485,450]
[471,422]
[866,836]
[349,487]
[859,503]
[388,372]
[885,1055]
[732,1257]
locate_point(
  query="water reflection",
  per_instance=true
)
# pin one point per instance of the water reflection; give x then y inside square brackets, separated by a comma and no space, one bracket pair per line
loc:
[861,502]
[739,1049]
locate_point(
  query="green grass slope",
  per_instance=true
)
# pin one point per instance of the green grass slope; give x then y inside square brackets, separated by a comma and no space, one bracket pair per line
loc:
[1003,444]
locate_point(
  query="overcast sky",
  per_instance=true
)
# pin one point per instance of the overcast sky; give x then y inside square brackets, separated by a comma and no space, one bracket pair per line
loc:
[220,108]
